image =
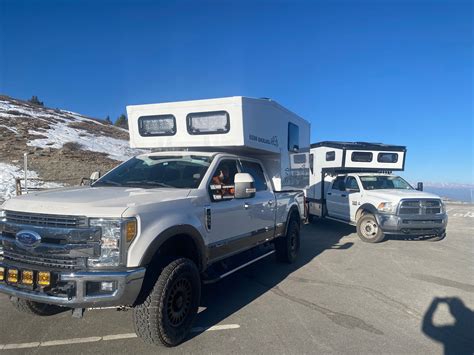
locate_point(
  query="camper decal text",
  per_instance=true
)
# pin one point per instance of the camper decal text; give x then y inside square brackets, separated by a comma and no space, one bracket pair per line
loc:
[271,141]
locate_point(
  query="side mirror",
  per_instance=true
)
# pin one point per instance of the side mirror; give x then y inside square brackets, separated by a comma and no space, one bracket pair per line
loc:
[94,176]
[244,186]
[419,186]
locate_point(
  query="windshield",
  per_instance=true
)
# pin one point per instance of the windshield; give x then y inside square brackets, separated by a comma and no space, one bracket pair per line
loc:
[384,182]
[158,171]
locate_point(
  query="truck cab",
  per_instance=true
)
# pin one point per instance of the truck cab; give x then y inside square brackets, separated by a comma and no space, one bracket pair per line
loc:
[352,183]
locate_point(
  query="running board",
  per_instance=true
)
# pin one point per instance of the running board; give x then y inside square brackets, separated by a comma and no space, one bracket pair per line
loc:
[340,220]
[217,272]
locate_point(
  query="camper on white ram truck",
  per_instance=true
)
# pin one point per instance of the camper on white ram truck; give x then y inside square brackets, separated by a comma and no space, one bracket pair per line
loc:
[223,189]
[352,183]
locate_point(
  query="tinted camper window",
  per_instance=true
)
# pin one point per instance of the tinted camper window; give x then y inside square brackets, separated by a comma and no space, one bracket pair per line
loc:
[331,156]
[159,125]
[387,157]
[362,157]
[216,122]
[293,137]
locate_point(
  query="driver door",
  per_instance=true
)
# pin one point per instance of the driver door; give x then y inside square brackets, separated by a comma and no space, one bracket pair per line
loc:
[228,222]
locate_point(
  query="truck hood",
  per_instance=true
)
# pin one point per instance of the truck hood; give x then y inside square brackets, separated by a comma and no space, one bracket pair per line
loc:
[395,195]
[91,201]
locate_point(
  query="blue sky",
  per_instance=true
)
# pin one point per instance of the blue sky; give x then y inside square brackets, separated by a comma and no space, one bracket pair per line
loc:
[398,72]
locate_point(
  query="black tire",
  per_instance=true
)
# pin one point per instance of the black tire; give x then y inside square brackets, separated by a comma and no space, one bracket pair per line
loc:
[167,313]
[287,247]
[36,308]
[368,229]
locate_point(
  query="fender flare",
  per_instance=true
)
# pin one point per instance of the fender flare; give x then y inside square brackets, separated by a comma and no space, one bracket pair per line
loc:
[366,207]
[293,210]
[167,234]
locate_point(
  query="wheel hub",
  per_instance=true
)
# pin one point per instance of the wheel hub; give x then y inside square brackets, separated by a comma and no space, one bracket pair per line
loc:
[179,302]
[370,229]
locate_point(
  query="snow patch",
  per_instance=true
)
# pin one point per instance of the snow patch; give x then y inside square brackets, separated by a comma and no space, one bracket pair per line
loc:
[8,174]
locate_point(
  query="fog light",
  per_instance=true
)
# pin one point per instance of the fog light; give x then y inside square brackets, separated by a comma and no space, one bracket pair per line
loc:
[12,276]
[44,278]
[2,273]
[107,286]
[27,277]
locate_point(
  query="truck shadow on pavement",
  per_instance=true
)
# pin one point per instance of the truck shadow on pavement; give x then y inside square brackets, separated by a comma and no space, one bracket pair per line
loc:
[457,338]
[228,296]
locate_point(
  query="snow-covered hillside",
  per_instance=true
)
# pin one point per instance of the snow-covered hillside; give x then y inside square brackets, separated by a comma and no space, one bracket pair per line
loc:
[62,146]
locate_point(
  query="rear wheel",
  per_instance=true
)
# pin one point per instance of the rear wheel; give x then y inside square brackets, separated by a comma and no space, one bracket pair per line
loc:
[36,308]
[166,315]
[287,247]
[368,229]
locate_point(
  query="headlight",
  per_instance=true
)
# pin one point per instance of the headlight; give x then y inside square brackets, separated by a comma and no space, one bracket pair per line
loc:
[3,215]
[443,206]
[116,235]
[387,207]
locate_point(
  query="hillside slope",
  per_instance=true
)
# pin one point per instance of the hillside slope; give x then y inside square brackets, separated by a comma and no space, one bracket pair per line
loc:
[63,146]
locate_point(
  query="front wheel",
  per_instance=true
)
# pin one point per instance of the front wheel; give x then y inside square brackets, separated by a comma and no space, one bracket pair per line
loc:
[287,247]
[368,229]
[36,308]
[166,315]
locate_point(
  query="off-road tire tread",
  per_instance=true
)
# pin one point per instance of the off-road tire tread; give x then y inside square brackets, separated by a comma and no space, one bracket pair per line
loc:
[148,314]
[282,244]
[36,308]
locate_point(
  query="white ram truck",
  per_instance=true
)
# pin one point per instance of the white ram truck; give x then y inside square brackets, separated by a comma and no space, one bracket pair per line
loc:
[352,183]
[149,232]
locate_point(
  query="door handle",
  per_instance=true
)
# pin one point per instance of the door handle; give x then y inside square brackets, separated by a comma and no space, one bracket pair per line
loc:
[343,195]
[329,193]
[270,202]
[246,205]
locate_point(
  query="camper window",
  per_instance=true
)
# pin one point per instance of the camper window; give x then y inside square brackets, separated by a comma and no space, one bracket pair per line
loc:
[159,125]
[293,137]
[331,156]
[216,122]
[387,157]
[256,171]
[222,182]
[362,157]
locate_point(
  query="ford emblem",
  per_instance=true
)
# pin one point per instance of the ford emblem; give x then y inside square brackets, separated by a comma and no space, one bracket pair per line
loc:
[28,238]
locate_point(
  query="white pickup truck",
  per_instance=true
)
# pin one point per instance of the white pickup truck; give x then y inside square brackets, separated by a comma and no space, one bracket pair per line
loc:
[350,183]
[150,231]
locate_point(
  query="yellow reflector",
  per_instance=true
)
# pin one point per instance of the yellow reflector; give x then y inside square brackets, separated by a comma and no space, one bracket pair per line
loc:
[2,273]
[27,277]
[130,230]
[44,278]
[12,275]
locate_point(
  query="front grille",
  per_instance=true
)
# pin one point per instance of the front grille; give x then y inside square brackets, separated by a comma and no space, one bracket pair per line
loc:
[50,261]
[46,220]
[420,207]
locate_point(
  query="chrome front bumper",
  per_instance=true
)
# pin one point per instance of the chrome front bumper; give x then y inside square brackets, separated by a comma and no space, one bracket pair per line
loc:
[127,283]
[413,224]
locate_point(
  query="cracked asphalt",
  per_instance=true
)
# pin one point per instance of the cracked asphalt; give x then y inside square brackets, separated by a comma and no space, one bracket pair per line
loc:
[342,296]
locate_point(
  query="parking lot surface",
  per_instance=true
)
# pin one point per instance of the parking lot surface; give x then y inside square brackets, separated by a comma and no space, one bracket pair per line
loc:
[341,296]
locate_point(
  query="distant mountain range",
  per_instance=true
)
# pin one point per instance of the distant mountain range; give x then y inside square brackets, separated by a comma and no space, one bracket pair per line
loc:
[451,191]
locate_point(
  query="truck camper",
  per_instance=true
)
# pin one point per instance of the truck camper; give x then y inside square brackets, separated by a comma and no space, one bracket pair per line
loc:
[222,188]
[352,182]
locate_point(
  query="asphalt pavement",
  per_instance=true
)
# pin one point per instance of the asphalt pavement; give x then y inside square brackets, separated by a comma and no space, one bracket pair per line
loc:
[342,296]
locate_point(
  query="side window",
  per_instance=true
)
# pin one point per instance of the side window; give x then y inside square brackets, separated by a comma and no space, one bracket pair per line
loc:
[338,184]
[387,157]
[256,171]
[222,182]
[362,157]
[351,184]
[331,156]
[293,137]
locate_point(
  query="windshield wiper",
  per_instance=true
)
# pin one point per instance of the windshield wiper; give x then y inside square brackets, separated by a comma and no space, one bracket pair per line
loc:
[107,182]
[148,183]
